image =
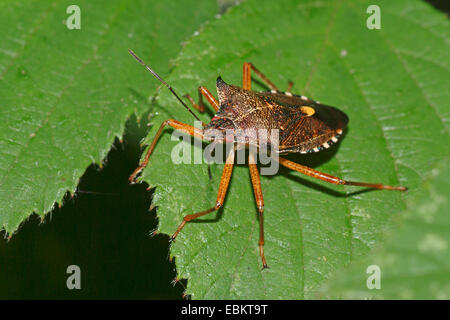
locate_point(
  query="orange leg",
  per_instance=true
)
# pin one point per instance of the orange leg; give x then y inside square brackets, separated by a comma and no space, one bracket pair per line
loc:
[223,187]
[290,85]
[203,92]
[191,130]
[256,183]
[332,179]
[247,80]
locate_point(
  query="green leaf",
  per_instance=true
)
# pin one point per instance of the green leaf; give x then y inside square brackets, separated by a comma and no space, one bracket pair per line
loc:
[65,94]
[393,84]
[413,263]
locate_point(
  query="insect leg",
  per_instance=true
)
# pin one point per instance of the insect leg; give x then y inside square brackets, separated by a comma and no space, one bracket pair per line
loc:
[332,179]
[290,85]
[204,92]
[247,80]
[191,130]
[256,183]
[223,187]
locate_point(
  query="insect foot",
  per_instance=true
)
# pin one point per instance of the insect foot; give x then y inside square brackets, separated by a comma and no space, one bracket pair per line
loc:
[132,178]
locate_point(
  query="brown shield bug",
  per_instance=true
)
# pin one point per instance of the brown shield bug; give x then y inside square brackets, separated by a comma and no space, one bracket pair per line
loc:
[304,126]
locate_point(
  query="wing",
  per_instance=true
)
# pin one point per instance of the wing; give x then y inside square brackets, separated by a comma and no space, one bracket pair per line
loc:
[305,125]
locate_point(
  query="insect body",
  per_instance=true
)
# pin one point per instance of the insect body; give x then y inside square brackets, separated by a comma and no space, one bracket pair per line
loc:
[304,126]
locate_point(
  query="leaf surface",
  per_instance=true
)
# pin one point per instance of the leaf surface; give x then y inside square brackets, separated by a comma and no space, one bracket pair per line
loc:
[66,94]
[413,262]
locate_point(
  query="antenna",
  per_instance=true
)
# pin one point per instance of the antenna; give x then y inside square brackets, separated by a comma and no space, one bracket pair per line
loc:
[163,82]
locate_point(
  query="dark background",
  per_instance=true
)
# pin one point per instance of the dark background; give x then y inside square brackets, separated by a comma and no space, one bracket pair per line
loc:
[105,229]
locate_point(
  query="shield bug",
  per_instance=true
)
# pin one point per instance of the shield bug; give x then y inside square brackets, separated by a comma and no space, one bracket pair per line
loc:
[304,126]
